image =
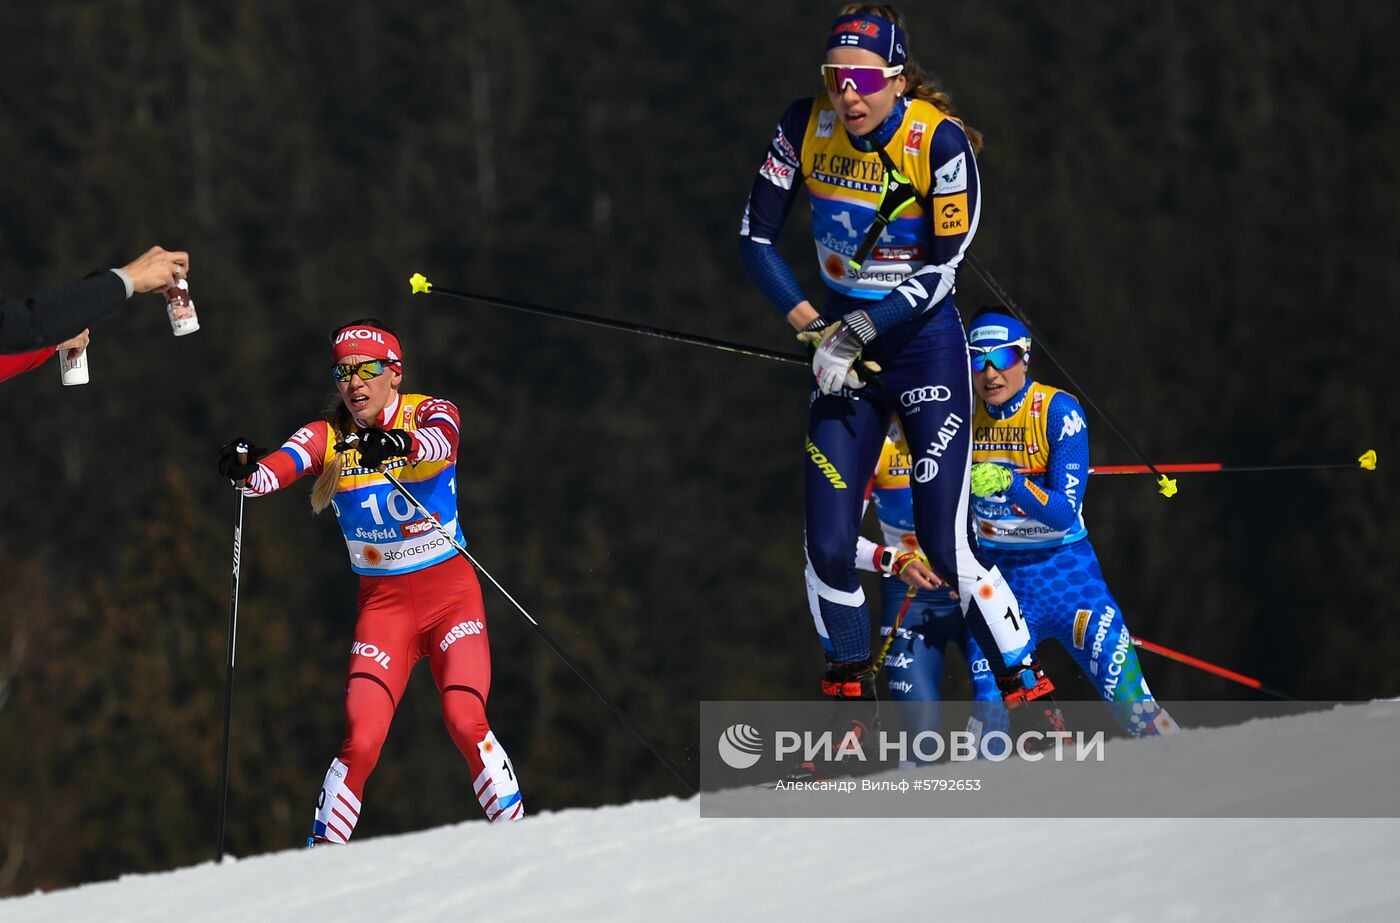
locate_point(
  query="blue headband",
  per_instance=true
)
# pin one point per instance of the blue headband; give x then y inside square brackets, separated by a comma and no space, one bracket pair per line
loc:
[873,33]
[995,329]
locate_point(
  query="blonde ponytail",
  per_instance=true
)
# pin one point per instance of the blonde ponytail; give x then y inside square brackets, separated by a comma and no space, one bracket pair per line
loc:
[342,425]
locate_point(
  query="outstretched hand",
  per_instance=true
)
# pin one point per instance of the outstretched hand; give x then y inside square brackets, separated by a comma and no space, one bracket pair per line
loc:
[229,464]
[157,269]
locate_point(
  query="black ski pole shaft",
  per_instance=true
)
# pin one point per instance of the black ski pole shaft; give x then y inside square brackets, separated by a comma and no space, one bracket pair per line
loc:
[547,638]
[422,286]
[232,640]
[1166,485]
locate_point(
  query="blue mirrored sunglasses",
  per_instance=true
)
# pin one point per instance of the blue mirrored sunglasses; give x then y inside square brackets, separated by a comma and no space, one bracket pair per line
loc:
[1001,357]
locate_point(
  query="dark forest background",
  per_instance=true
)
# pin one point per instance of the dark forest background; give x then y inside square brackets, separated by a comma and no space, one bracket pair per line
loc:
[1195,202]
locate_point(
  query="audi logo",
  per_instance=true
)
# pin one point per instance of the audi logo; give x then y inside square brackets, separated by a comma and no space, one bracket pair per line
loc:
[931,393]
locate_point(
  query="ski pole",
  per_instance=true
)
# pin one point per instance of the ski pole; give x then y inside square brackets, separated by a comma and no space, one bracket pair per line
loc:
[1165,486]
[242,450]
[1366,462]
[421,285]
[351,440]
[1200,664]
[898,620]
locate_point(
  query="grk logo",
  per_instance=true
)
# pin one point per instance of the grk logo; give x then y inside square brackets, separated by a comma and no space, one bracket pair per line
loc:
[740,746]
[931,393]
[1074,423]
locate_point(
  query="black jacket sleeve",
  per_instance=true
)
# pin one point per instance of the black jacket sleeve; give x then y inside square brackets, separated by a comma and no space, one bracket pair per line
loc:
[53,315]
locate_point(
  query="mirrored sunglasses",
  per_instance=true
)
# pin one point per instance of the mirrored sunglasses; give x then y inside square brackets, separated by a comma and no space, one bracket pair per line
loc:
[864,79]
[343,371]
[1001,357]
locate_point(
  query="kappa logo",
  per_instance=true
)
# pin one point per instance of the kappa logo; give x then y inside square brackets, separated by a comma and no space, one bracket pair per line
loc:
[1073,425]
[826,123]
[951,176]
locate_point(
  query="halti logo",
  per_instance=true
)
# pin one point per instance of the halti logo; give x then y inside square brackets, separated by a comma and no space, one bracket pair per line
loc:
[1074,423]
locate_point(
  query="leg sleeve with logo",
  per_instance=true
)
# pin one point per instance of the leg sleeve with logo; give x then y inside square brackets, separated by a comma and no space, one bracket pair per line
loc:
[844,436]
[1065,597]
[381,660]
[931,386]
[915,662]
[460,656]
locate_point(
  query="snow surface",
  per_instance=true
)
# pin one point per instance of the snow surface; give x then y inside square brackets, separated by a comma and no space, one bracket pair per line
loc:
[661,860]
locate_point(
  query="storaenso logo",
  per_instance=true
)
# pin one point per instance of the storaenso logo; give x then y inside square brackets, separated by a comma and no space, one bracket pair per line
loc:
[827,468]
[931,393]
[740,746]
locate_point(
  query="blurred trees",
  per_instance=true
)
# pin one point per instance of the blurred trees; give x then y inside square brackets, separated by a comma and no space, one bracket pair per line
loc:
[1195,203]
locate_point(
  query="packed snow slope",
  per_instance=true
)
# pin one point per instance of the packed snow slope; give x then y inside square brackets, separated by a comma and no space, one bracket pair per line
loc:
[657,861]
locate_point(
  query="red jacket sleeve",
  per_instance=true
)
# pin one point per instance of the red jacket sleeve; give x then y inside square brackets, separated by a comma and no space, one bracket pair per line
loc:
[435,438]
[10,366]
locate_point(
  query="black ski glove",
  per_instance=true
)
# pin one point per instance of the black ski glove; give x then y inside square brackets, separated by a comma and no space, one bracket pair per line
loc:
[378,446]
[231,468]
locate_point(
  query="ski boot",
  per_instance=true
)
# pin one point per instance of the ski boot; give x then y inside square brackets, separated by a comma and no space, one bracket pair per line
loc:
[845,682]
[1027,693]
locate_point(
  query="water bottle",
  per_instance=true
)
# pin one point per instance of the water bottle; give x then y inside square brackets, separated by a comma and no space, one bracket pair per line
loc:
[180,306]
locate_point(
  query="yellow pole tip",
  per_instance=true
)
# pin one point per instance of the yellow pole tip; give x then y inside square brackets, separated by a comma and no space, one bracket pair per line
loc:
[1368,460]
[1167,486]
[420,283]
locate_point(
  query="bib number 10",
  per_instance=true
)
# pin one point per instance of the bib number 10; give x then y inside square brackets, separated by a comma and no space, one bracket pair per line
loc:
[399,508]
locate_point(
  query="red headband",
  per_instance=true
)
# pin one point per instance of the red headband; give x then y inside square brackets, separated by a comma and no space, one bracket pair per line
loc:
[366,341]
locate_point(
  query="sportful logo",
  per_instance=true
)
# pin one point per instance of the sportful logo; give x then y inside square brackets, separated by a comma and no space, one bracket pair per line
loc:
[1074,423]
[740,746]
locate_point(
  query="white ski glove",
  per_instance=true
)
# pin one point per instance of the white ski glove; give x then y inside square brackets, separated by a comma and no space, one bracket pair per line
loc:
[838,347]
